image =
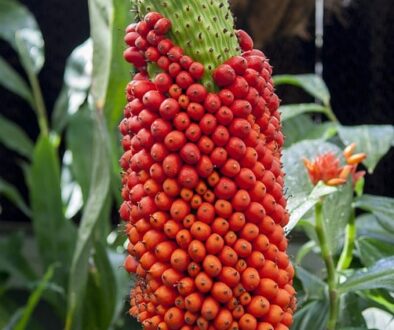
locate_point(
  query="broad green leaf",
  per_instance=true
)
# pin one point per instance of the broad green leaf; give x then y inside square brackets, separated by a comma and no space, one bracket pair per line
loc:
[381,207]
[370,250]
[379,275]
[30,47]
[12,260]
[368,225]
[101,22]
[301,206]
[77,81]
[12,81]
[14,138]
[337,209]
[312,315]
[302,127]
[292,110]
[311,83]
[99,189]
[350,311]
[13,195]
[33,300]
[374,140]
[120,69]
[55,235]
[378,319]
[379,298]
[14,17]
[314,287]
[100,296]
[79,140]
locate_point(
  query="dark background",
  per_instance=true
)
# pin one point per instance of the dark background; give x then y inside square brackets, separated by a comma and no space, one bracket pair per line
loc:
[358,61]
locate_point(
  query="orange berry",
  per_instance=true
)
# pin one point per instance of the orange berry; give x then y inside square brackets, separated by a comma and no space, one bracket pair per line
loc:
[174,318]
[245,298]
[258,306]
[220,226]
[180,260]
[249,232]
[267,288]
[223,320]
[193,302]
[228,256]
[237,221]
[243,247]
[183,238]
[214,243]
[197,250]
[221,292]
[203,282]
[250,278]
[247,322]
[209,309]
[212,265]
[200,230]
[186,286]
[274,315]
[230,276]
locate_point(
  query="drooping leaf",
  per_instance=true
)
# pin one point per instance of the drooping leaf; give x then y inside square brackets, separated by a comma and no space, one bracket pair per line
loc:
[77,80]
[301,206]
[55,235]
[79,140]
[13,195]
[14,17]
[292,110]
[350,311]
[379,275]
[374,140]
[371,250]
[101,21]
[101,292]
[14,138]
[99,189]
[12,81]
[381,207]
[30,47]
[311,83]
[33,300]
[13,262]
[120,69]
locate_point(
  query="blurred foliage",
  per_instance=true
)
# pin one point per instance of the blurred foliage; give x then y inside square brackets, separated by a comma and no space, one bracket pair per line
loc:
[77,278]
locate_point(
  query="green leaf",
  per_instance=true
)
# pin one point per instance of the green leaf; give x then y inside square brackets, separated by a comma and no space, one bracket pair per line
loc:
[97,195]
[292,110]
[120,69]
[30,47]
[337,209]
[379,275]
[314,287]
[101,21]
[33,300]
[12,260]
[381,207]
[12,81]
[77,81]
[299,207]
[312,315]
[55,235]
[311,83]
[368,225]
[14,17]
[371,250]
[378,319]
[13,195]
[350,311]
[14,138]
[100,296]
[79,140]
[374,140]
[302,127]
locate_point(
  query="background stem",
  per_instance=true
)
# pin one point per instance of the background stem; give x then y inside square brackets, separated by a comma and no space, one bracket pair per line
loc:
[329,262]
[347,252]
[39,105]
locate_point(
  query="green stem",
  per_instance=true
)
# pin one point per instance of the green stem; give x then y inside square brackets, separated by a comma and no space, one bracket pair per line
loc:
[347,252]
[330,266]
[330,114]
[39,105]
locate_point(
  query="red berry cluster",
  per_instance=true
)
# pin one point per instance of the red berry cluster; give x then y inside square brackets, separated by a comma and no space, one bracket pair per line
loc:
[203,190]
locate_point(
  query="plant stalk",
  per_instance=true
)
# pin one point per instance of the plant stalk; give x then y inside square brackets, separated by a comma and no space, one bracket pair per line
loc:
[39,105]
[330,266]
[347,252]
[330,114]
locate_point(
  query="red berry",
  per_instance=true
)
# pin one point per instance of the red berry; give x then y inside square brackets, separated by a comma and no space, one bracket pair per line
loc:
[224,115]
[162,26]
[188,177]
[212,103]
[181,121]
[152,100]
[196,69]
[164,46]
[195,111]
[224,75]
[163,82]
[186,62]
[151,18]
[130,38]
[193,132]
[160,128]
[245,41]
[175,53]
[174,69]
[240,127]
[169,108]
[153,38]
[239,87]
[208,124]
[190,153]
[241,108]
[141,43]
[236,148]
[238,63]
[152,54]
[196,93]
[184,79]
[226,97]
[142,28]
[134,56]
[163,63]
[174,140]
